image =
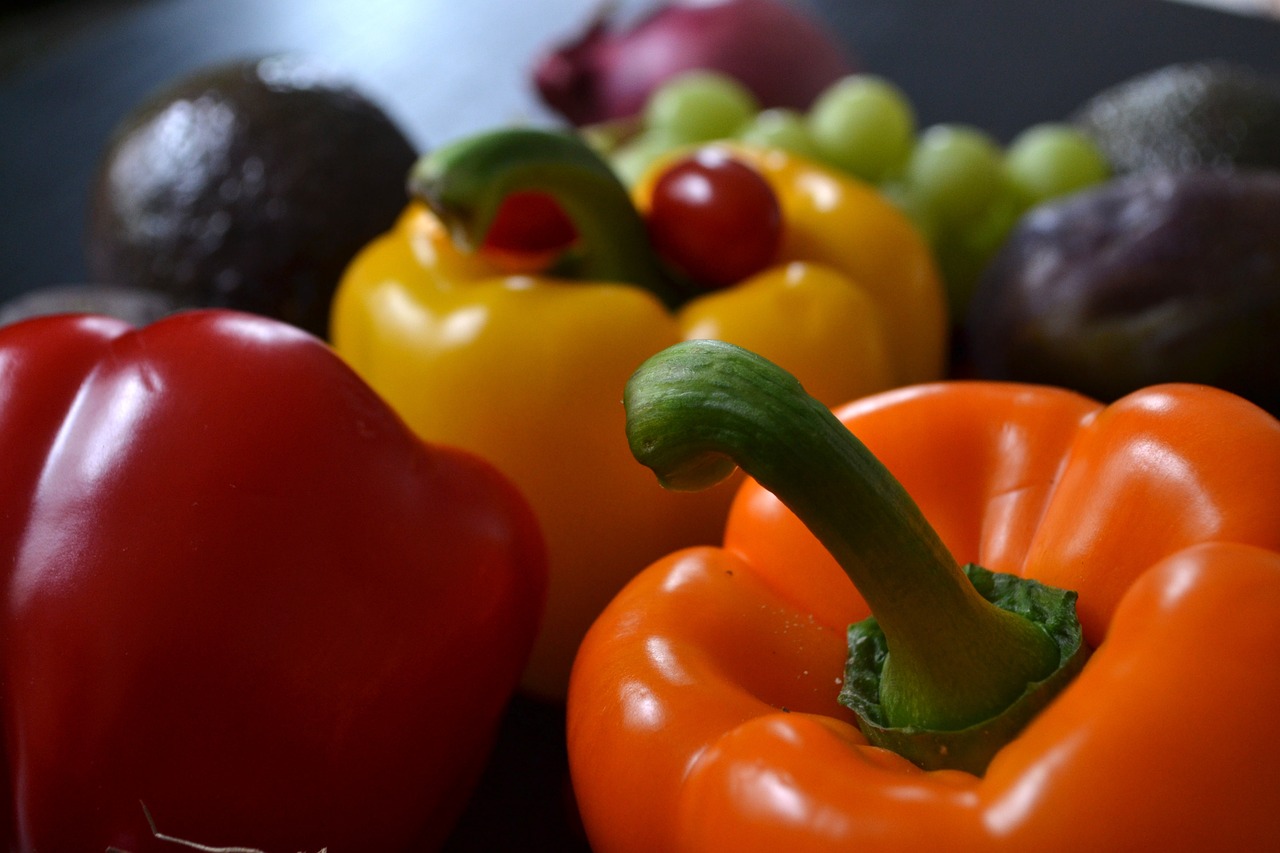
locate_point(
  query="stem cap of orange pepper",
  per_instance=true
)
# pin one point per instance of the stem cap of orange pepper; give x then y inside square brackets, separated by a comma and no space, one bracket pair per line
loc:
[954,663]
[971,748]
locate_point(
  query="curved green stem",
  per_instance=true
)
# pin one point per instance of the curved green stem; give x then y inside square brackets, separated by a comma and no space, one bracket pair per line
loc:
[955,660]
[466,182]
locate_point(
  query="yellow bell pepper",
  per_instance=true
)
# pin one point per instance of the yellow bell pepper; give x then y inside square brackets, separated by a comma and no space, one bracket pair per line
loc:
[527,369]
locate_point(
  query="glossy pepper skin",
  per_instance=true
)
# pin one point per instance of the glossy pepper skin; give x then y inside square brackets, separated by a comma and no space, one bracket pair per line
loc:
[526,369]
[703,711]
[242,594]
[885,327]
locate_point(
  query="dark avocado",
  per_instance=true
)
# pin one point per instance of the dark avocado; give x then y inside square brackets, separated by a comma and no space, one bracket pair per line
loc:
[1200,115]
[249,185]
[1155,277]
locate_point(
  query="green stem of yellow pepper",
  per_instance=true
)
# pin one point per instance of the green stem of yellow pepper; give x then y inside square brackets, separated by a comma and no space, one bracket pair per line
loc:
[465,184]
[955,664]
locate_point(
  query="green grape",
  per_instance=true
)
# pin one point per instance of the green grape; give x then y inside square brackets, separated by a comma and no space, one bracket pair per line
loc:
[607,137]
[966,248]
[779,128]
[956,172]
[901,196]
[698,106]
[1053,159]
[863,125]
[634,157]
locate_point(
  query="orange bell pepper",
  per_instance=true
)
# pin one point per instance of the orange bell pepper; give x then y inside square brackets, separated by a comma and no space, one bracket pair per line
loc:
[703,704]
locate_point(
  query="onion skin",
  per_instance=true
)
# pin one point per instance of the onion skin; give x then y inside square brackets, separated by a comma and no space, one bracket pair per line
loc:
[772,47]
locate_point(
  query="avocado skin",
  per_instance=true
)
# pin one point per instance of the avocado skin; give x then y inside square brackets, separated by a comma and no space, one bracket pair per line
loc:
[249,185]
[1155,277]
[1186,117]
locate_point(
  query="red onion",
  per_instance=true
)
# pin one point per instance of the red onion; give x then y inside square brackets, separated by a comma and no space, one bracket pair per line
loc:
[770,46]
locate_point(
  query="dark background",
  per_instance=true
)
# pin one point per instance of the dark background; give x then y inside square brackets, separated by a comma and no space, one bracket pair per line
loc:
[70,70]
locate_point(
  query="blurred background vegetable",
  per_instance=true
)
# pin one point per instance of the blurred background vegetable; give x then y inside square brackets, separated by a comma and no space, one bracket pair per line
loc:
[958,183]
[775,48]
[247,185]
[1155,277]
[1191,115]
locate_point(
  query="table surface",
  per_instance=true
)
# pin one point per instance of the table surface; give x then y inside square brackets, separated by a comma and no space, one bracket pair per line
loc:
[69,71]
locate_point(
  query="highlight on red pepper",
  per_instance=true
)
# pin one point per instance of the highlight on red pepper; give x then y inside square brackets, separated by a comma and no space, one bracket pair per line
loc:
[525,367]
[244,601]
[724,697]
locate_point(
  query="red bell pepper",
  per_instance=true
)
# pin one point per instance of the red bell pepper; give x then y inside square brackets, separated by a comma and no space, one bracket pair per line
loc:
[243,595]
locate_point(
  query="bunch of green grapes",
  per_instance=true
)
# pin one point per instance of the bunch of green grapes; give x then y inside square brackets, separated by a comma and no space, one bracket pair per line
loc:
[966,193]
[958,184]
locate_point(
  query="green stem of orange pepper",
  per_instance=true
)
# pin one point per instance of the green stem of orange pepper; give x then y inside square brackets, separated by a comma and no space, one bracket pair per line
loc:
[465,184]
[955,661]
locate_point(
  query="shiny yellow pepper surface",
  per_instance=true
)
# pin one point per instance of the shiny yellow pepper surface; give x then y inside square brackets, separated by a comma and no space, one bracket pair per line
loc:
[527,368]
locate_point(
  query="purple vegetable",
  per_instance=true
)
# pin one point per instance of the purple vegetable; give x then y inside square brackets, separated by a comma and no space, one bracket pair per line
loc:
[770,46]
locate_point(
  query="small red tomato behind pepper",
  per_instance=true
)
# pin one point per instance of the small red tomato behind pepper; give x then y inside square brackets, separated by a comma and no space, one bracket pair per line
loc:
[714,218]
[703,708]
[243,595]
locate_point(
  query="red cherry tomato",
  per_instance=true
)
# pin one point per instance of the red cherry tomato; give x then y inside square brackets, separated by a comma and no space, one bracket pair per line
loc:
[714,219]
[529,231]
